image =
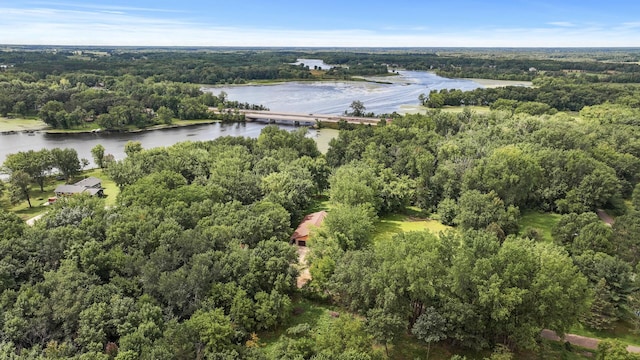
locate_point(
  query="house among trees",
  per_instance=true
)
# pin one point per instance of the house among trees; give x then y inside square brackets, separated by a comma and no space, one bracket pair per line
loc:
[301,235]
[90,185]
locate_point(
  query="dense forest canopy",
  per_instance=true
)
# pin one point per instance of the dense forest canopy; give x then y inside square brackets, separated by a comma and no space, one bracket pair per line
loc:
[194,259]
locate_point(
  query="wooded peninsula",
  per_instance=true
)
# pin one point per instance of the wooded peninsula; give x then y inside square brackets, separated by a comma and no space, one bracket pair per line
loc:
[462,231]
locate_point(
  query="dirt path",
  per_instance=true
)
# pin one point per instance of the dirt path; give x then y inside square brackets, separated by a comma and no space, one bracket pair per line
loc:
[33,220]
[304,276]
[605,217]
[582,341]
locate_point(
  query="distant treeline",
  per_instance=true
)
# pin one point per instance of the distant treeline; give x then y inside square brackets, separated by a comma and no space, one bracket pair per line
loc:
[501,68]
[74,99]
[188,67]
[563,94]
[219,67]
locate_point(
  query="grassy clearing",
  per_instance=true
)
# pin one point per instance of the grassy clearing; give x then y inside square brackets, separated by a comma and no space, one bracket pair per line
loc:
[492,83]
[418,109]
[21,124]
[319,203]
[543,222]
[39,199]
[458,109]
[309,312]
[389,225]
[84,128]
[623,332]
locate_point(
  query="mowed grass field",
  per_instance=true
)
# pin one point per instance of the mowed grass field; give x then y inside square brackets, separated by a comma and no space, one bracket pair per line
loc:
[543,222]
[418,109]
[21,124]
[39,199]
[389,225]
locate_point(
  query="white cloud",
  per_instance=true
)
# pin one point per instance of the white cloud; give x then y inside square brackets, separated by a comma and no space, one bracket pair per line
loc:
[102,26]
[102,7]
[562,24]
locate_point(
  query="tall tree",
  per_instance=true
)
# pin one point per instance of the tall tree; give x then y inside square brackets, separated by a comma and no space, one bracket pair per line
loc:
[357,108]
[165,115]
[430,327]
[66,160]
[20,187]
[132,147]
[98,155]
[37,164]
[385,327]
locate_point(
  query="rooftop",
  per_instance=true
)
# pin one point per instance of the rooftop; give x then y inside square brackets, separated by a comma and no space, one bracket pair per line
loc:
[309,221]
[89,182]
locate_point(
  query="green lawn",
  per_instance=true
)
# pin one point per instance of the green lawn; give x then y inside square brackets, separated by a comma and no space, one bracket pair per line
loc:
[319,203]
[543,222]
[389,225]
[457,109]
[39,199]
[418,109]
[20,124]
[84,128]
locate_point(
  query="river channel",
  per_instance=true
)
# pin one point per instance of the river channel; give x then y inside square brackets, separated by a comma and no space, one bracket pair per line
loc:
[303,97]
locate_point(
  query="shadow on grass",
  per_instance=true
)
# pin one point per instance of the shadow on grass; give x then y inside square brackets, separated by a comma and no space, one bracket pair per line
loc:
[387,227]
[543,222]
[319,203]
[304,311]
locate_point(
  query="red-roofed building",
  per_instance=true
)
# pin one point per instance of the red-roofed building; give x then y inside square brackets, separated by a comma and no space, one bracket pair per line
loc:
[301,235]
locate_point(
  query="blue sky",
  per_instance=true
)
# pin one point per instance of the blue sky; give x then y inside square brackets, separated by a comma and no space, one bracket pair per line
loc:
[398,23]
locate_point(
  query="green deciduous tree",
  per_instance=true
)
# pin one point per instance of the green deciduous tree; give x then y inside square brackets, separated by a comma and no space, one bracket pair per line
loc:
[292,189]
[357,108]
[349,226]
[430,327]
[66,160]
[98,155]
[636,197]
[345,333]
[477,211]
[510,172]
[165,115]
[37,164]
[132,147]
[385,327]
[355,184]
[211,330]
[20,187]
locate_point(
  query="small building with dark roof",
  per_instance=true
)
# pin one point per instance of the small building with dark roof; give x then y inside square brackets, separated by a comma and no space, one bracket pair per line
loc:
[90,182]
[301,235]
[90,185]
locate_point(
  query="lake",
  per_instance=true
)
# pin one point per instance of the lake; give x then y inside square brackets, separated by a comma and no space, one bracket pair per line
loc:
[334,97]
[114,142]
[302,97]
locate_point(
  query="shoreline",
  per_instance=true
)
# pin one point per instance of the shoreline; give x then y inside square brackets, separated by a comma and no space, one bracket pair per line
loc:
[11,126]
[491,83]
[131,131]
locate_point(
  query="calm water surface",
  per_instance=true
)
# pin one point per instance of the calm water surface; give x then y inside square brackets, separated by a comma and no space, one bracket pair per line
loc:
[114,143]
[335,97]
[303,97]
